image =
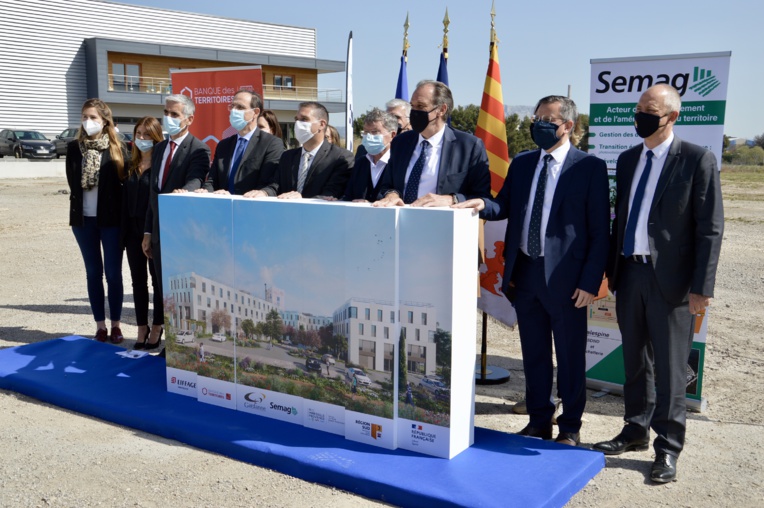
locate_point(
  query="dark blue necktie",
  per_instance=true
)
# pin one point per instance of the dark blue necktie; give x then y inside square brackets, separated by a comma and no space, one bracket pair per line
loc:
[534,228]
[240,146]
[631,226]
[412,187]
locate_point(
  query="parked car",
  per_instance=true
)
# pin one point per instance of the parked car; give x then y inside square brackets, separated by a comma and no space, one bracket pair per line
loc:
[363,379]
[218,337]
[23,143]
[184,336]
[431,385]
[313,364]
[329,359]
[287,341]
[61,141]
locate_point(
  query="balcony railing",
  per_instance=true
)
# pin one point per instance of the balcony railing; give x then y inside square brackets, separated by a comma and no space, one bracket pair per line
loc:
[163,85]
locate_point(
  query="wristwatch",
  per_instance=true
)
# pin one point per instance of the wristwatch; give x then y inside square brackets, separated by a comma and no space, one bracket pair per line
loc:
[456,200]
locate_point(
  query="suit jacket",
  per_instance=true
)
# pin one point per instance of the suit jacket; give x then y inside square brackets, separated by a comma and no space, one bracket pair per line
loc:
[260,158]
[188,170]
[109,208]
[463,167]
[361,185]
[328,174]
[577,233]
[685,223]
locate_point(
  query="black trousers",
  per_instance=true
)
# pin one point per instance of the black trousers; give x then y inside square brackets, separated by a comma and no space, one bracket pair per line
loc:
[657,337]
[140,268]
[543,317]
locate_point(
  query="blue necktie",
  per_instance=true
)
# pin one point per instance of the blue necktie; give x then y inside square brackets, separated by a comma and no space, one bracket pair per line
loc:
[411,192]
[534,227]
[240,146]
[631,226]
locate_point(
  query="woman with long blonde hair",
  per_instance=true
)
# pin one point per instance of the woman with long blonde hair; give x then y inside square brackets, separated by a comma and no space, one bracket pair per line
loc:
[95,169]
[135,201]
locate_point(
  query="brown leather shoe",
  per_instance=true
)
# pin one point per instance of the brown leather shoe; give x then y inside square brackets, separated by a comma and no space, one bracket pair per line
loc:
[568,438]
[116,335]
[101,335]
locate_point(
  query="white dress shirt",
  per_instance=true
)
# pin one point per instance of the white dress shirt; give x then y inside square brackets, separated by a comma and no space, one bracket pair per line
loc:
[429,179]
[641,242]
[552,177]
[167,154]
[378,167]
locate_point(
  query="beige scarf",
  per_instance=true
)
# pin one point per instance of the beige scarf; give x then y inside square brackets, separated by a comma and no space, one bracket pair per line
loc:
[91,160]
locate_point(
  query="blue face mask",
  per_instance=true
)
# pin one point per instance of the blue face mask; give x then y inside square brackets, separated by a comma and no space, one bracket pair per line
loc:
[374,143]
[236,117]
[544,134]
[144,145]
[171,125]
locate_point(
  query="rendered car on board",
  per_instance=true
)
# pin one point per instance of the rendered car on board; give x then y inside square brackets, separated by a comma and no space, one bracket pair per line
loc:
[26,143]
[363,379]
[184,336]
[218,337]
[431,385]
[327,358]
[313,364]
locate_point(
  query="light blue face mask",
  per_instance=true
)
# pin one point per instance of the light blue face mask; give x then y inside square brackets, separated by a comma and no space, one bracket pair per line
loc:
[171,125]
[144,145]
[374,143]
[236,117]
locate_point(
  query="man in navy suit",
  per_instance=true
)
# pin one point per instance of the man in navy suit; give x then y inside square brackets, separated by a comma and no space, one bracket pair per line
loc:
[379,129]
[433,164]
[556,201]
[242,160]
[667,235]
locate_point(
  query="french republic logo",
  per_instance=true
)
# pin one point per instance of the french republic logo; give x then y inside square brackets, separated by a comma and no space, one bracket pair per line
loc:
[414,426]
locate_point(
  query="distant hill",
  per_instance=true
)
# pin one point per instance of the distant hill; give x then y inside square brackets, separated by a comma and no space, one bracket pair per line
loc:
[521,111]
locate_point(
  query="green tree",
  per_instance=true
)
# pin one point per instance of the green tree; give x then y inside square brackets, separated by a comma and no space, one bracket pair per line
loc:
[582,130]
[358,125]
[465,118]
[518,135]
[326,334]
[725,142]
[759,140]
[340,346]
[273,327]
[745,156]
[260,329]
[443,353]
[248,327]
[221,320]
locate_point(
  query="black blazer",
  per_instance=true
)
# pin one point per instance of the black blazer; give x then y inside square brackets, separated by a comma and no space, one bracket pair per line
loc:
[577,232]
[109,209]
[361,185]
[260,158]
[463,167]
[685,223]
[328,174]
[135,203]
[188,170]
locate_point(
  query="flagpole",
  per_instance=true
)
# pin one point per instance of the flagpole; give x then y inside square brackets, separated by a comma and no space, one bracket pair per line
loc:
[349,96]
[402,87]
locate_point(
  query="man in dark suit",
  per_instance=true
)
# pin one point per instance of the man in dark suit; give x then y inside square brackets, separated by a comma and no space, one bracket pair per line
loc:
[242,160]
[665,245]
[379,129]
[555,252]
[179,164]
[319,168]
[433,164]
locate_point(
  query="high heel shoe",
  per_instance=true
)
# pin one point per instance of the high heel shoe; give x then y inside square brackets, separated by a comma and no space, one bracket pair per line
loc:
[141,344]
[148,346]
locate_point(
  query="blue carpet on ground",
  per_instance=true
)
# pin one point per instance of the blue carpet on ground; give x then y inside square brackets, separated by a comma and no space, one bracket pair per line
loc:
[499,470]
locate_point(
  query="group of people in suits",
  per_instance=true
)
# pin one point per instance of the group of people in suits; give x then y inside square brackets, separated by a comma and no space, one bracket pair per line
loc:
[660,257]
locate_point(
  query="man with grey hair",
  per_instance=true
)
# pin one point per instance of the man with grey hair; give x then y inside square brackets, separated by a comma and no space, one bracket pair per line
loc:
[556,200]
[379,129]
[665,245]
[179,164]
[401,110]
[434,164]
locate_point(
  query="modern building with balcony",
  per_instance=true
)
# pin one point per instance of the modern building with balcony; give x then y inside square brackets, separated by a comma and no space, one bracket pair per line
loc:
[370,328]
[58,53]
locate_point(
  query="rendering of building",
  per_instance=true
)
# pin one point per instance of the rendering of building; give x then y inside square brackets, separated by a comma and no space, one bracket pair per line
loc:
[304,320]
[123,54]
[370,328]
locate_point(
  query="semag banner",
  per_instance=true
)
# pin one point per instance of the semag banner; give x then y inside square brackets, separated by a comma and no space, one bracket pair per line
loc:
[212,90]
[616,85]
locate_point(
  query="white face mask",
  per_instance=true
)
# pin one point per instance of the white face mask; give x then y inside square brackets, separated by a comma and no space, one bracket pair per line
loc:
[303,132]
[92,127]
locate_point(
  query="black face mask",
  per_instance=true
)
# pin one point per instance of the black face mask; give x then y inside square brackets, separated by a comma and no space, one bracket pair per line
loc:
[647,124]
[420,119]
[544,134]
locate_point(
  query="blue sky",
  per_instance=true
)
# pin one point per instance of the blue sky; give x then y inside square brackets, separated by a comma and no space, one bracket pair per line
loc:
[544,46]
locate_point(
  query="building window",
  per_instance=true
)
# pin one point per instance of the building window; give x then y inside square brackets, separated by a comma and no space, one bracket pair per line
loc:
[353,312]
[410,317]
[225,305]
[387,332]
[204,287]
[360,328]
[392,316]
[199,299]
[379,315]
[373,330]
[416,333]
[209,303]
[424,318]
[221,292]
[367,314]
[212,288]
[228,294]
[281,81]
[126,77]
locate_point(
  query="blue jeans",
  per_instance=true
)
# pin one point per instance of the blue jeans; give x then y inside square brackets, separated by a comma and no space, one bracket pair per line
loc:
[90,239]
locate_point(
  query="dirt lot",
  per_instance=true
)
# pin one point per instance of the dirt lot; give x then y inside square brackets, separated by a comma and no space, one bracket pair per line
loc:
[53,457]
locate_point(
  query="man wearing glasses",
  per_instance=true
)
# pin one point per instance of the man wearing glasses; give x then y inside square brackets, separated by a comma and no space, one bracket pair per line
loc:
[556,245]
[243,159]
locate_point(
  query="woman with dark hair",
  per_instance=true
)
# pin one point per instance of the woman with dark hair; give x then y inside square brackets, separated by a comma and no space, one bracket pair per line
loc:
[95,169]
[135,201]
[268,122]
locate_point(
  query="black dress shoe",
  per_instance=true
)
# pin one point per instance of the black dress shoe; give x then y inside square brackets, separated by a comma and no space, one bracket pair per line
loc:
[544,433]
[568,438]
[664,468]
[620,444]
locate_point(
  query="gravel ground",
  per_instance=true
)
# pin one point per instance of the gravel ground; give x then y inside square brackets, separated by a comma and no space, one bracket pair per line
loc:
[54,457]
